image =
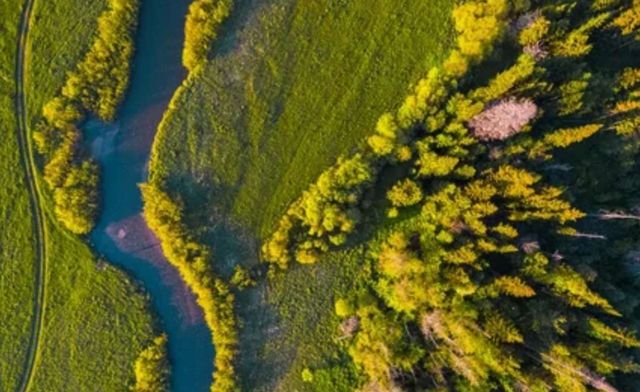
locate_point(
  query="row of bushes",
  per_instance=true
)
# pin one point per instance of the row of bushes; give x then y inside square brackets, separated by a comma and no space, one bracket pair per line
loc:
[193,261]
[328,211]
[152,367]
[165,216]
[96,86]
[201,29]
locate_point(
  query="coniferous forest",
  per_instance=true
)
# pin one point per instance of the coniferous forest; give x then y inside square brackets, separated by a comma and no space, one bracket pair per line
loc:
[370,196]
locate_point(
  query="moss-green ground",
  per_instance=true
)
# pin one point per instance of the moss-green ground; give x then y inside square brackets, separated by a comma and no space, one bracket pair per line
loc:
[95,321]
[290,86]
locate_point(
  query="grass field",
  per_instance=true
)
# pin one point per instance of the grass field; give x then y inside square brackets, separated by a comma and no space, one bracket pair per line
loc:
[16,239]
[95,322]
[61,35]
[290,86]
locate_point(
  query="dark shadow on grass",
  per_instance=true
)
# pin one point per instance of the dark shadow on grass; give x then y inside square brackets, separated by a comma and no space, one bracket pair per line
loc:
[230,34]
[257,320]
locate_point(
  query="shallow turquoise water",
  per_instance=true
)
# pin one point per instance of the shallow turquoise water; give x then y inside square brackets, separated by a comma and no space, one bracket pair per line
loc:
[123,151]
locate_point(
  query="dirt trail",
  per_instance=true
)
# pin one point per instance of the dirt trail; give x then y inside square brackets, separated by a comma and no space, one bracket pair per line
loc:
[35,196]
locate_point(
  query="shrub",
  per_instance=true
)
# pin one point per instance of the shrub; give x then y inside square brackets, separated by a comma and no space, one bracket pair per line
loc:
[535,31]
[97,85]
[629,21]
[193,262]
[343,308]
[75,200]
[405,193]
[201,28]
[241,278]
[152,367]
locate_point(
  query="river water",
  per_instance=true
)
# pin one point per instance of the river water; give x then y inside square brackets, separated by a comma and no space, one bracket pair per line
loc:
[122,148]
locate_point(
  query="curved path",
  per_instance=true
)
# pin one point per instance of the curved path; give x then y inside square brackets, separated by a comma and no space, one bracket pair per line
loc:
[26,154]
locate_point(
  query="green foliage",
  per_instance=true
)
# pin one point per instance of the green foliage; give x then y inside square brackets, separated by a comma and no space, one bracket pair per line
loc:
[96,86]
[193,262]
[152,367]
[326,212]
[629,21]
[99,82]
[573,94]
[76,199]
[506,81]
[577,42]
[307,375]
[534,32]
[386,137]
[479,25]
[201,29]
[563,138]
[377,348]
[458,271]
[405,193]
[343,308]
[241,278]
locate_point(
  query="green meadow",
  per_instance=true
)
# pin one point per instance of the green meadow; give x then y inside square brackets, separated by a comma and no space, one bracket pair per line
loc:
[290,86]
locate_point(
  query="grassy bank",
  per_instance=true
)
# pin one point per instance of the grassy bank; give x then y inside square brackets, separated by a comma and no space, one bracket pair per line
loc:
[96,321]
[17,251]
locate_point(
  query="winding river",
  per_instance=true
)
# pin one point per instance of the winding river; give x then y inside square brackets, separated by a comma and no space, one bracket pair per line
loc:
[122,149]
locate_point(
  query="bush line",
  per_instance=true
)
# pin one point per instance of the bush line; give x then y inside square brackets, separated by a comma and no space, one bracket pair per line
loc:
[201,29]
[193,262]
[96,86]
[328,211]
[152,367]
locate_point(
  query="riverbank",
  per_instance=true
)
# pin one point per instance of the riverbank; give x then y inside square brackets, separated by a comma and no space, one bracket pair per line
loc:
[122,149]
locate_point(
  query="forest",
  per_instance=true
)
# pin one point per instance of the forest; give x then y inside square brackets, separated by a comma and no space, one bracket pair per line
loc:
[483,278]
[369,196]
